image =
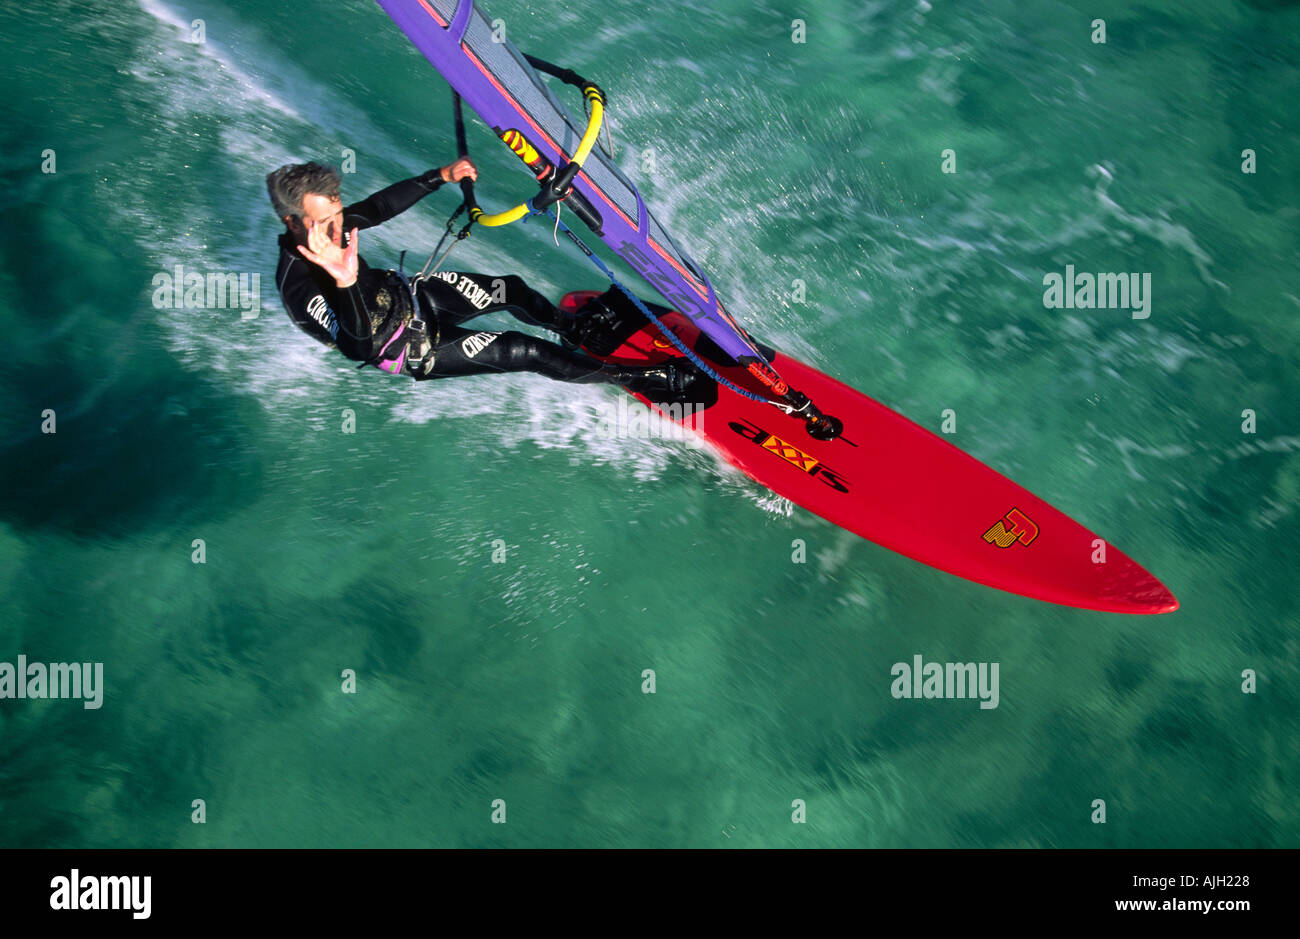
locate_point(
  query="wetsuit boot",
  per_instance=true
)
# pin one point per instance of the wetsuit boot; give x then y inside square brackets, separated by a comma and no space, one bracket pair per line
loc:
[669,380]
[594,327]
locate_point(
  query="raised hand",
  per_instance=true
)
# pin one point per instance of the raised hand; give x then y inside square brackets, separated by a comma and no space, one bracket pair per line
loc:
[341,263]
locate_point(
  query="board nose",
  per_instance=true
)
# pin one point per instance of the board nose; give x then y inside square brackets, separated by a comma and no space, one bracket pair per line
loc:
[1135,589]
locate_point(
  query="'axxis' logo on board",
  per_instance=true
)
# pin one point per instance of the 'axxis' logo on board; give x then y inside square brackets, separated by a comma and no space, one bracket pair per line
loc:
[790,453]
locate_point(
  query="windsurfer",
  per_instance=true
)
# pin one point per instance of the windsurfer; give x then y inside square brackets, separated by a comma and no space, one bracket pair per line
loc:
[379,318]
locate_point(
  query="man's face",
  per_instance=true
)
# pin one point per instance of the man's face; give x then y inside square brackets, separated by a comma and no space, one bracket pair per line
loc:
[325,213]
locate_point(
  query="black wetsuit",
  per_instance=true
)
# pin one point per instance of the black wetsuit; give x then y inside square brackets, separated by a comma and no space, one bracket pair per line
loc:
[373,321]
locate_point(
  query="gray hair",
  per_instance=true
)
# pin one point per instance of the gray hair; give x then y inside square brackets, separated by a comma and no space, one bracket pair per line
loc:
[287,186]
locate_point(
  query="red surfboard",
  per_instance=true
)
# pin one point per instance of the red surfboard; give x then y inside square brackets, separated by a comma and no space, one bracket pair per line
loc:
[886,478]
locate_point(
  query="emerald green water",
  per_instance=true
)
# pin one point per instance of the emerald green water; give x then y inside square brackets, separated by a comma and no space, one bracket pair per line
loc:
[521,681]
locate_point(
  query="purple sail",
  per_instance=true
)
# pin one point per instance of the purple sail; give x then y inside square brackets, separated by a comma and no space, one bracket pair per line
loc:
[499,84]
